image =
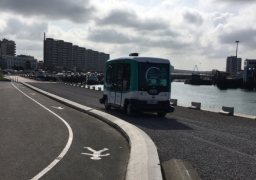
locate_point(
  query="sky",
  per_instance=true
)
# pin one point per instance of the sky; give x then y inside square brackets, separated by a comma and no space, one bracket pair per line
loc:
[200,33]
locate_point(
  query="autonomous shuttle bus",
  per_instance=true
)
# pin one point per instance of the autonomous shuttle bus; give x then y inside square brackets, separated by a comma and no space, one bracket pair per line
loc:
[138,84]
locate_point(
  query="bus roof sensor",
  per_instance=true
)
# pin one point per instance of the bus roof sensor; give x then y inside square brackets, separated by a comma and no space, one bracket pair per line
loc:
[134,54]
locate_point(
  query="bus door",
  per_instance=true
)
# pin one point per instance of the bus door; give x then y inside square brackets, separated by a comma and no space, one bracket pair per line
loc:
[108,86]
[116,87]
[126,82]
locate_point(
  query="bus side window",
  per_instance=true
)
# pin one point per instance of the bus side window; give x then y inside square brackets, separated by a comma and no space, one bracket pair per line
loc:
[117,77]
[126,76]
[108,76]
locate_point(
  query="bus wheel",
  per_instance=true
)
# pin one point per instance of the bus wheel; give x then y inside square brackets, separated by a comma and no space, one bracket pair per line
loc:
[130,111]
[106,104]
[161,114]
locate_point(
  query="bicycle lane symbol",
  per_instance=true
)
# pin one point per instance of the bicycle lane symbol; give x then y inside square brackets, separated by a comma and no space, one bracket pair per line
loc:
[96,154]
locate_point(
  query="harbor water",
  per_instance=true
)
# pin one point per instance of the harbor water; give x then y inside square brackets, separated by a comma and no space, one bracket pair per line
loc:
[211,97]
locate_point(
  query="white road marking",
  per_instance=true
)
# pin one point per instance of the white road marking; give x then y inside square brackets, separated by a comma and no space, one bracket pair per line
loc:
[96,154]
[64,151]
[58,107]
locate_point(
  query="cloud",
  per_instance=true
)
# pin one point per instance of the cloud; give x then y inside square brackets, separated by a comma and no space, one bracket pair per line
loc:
[108,36]
[129,19]
[76,11]
[234,1]
[220,18]
[19,29]
[193,18]
[245,36]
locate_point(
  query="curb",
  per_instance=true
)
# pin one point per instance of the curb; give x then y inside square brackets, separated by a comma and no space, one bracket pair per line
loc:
[144,161]
[176,169]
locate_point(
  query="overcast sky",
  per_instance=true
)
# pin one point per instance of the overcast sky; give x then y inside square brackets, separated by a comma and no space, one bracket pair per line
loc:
[188,33]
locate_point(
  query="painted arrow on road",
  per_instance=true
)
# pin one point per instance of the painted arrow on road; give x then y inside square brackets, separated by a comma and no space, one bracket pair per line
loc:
[96,154]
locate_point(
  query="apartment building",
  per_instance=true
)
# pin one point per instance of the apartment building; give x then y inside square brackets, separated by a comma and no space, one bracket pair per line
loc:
[233,65]
[78,61]
[64,55]
[8,47]
[88,60]
[57,53]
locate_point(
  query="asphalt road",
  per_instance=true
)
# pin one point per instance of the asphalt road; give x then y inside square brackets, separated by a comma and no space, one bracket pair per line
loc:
[217,146]
[33,135]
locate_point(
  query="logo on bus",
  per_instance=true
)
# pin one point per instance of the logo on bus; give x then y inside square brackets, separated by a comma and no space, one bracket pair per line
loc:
[153,91]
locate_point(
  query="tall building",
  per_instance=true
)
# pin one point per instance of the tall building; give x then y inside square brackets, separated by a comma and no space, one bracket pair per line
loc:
[7,47]
[94,60]
[64,55]
[249,67]
[105,58]
[88,60]
[233,65]
[100,62]
[78,60]
[57,53]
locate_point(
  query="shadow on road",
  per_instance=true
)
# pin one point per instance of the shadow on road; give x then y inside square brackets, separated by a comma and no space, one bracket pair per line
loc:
[149,120]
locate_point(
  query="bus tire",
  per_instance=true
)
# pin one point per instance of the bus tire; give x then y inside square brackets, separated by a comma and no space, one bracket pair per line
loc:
[161,114]
[129,110]
[107,106]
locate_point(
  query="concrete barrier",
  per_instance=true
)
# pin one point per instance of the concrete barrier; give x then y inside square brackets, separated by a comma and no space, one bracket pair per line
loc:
[99,88]
[195,105]
[227,110]
[173,102]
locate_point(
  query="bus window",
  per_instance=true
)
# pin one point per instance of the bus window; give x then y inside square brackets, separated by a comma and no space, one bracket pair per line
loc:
[117,76]
[151,74]
[108,78]
[126,76]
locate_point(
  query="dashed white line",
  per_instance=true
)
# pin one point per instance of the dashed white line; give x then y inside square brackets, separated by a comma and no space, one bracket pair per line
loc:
[64,151]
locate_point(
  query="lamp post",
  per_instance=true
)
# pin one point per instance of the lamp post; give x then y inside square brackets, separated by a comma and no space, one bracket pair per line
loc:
[236,48]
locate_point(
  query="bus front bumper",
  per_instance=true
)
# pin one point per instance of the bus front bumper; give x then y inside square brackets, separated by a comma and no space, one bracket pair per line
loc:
[161,106]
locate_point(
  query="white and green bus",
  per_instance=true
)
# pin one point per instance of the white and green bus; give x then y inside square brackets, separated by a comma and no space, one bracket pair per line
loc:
[138,84]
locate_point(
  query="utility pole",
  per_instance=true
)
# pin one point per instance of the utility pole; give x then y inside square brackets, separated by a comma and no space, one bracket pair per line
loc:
[236,48]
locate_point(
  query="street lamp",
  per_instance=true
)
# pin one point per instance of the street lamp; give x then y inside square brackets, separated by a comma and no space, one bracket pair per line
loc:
[236,48]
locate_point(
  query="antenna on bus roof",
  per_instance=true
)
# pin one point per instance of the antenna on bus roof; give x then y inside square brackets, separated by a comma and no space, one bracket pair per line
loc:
[134,54]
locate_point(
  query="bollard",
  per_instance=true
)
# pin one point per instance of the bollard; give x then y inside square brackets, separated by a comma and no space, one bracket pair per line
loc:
[227,110]
[195,105]
[173,102]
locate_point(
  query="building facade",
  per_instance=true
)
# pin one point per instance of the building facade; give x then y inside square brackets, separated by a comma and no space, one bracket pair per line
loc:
[233,65]
[18,61]
[59,54]
[7,47]
[249,68]
[78,61]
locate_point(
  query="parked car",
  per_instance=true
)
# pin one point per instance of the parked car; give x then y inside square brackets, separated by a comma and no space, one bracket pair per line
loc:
[60,74]
[76,74]
[92,80]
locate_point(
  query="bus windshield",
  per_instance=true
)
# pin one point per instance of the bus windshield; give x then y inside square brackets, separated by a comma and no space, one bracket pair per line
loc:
[153,74]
